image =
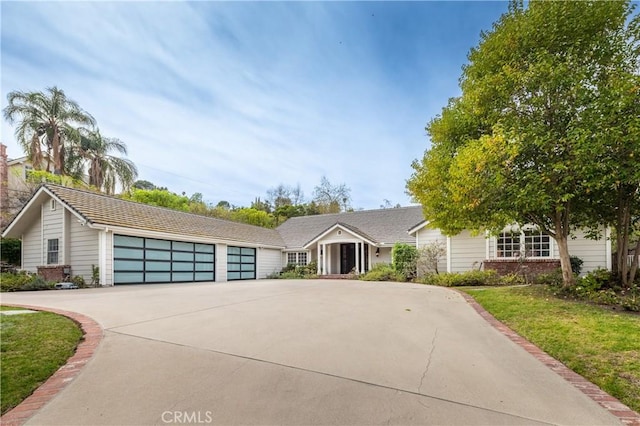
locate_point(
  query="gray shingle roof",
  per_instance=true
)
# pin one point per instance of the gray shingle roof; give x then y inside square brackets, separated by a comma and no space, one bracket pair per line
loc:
[385,226]
[106,210]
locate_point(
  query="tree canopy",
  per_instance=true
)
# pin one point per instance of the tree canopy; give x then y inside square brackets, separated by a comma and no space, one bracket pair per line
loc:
[60,137]
[541,94]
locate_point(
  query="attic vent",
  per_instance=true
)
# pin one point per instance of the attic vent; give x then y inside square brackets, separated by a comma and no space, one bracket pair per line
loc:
[339,232]
[53,204]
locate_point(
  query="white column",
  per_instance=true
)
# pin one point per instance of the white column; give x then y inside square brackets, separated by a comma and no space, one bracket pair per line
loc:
[448,254]
[357,259]
[324,259]
[362,271]
[487,239]
[329,253]
[370,248]
[102,256]
[318,248]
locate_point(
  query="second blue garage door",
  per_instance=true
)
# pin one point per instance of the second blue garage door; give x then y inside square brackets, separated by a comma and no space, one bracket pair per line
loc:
[241,263]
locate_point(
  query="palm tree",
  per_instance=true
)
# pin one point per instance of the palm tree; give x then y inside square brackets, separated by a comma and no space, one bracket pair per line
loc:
[104,169]
[46,119]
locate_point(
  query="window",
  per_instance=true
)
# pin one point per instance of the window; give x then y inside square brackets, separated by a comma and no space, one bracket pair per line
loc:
[508,244]
[537,244]
[52,252]
[531,243]
[52,204]
[297,258]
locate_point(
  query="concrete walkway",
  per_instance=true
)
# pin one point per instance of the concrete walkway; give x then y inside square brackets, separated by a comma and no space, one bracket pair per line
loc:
[302,352]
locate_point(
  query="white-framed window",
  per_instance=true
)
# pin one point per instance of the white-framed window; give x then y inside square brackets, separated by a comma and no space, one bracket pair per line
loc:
[52,204]
[529,243]
[508,245]
[297,258]
[537,244]
[52,251]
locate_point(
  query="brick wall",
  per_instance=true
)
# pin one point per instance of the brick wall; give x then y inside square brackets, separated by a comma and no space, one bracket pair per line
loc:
[530,267]
[54,273]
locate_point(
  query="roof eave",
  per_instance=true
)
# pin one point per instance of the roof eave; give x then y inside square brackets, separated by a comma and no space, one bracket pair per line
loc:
[344,228]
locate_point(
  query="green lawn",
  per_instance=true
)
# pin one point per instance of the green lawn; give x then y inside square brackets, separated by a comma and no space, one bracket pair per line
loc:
[600,344]
[32,348]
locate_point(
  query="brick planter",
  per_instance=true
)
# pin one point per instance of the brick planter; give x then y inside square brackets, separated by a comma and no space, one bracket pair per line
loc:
[54,273]
[530,267]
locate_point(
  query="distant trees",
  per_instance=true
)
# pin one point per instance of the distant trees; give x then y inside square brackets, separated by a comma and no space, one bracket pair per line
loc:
[60,137]
[332,198]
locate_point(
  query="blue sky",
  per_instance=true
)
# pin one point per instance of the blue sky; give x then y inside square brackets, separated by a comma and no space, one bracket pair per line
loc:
[232,98]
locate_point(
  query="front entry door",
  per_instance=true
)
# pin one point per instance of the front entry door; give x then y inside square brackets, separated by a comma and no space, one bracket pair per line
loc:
[347,258]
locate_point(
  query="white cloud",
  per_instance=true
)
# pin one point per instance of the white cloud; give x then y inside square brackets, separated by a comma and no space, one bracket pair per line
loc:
[230,99]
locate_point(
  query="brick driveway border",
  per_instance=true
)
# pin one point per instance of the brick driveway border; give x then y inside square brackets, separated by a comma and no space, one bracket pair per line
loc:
[92,335]
[609,403]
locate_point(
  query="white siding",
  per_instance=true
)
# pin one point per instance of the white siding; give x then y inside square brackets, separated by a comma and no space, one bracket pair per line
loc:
[427,236]
[32,247]
[83,249]
[221,263]
[53,228]
[383,257]
[467,252]
[592,252]
[269,261]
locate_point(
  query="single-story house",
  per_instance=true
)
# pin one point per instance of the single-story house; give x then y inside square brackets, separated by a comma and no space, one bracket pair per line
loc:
[68,232]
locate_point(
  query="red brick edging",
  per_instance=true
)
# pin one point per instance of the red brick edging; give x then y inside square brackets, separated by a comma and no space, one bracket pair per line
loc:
[64,375]
[609,403]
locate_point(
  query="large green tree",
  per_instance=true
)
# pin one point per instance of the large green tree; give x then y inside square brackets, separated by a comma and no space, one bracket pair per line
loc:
[46,120]
[511,147]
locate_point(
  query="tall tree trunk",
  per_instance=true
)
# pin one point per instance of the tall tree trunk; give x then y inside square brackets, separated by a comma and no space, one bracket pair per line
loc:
[565,260]
[55,147]
[561,228]
[623,228]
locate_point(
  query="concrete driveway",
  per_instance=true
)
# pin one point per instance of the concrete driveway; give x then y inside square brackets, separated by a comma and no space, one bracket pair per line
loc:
[302,352]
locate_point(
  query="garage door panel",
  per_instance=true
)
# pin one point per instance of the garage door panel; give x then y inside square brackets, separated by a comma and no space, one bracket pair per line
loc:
[148,260]
[241,263]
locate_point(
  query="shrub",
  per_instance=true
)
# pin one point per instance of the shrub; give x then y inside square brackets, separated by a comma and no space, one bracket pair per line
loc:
[13,281]
[576,264]
[405,260]
[382,272]
[429,256]
[600,287]
[95,275]
[470,278]
[10,251]
[596,280]
[292,271]
[37,283]
[79,281]
[551,278]
[23,281]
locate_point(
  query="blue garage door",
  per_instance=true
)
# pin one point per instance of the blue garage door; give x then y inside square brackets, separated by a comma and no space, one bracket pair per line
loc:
[241,263]
[139,260]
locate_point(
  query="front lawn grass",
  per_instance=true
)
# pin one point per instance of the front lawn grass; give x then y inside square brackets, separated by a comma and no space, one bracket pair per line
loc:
[600,344]
[32,348]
